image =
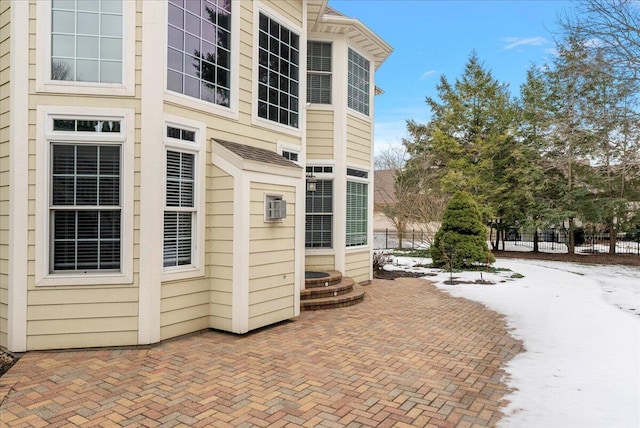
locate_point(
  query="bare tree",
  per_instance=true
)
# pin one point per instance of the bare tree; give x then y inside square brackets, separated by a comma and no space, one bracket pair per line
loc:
[393,157]
[612,24]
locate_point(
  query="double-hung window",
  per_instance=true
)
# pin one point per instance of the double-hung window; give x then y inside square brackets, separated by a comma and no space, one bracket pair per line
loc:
[358,90]
[180,199]
[85,201]
[278,72]
[319,209]
[86,40]
[357,208]
[199,49]
[319,72]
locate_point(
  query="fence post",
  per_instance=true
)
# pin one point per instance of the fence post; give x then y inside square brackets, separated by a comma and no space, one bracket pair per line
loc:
[413,239]
[386,238]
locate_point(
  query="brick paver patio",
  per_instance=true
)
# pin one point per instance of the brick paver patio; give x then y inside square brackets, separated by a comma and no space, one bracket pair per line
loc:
[408,355]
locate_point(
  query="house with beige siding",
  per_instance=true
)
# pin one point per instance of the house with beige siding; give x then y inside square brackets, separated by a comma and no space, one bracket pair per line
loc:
[170,166]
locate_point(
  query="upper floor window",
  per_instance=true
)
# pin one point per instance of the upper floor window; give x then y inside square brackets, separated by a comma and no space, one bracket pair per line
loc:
[199,49]
[358,83]
[278,73]
[86,40]
[319,72]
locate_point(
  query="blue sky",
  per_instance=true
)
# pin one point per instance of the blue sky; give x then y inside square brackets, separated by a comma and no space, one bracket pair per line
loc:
[434,38]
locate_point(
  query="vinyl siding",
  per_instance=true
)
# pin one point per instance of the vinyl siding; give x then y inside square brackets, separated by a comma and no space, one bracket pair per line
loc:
[358,265]
[359,140]
[320,262]
[70,317]
[271,259]
[5,33]
[184,307]
[219,247]
[80,316]
[320,134]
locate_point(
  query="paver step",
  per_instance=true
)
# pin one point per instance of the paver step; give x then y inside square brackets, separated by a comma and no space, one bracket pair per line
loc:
[355,296]
[333,277]
[343,287]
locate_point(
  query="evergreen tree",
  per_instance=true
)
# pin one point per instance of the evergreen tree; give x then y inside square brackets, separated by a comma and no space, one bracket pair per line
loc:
[534,126]
[461,241]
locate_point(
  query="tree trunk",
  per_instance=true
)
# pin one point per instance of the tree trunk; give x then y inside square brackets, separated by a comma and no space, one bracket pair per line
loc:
[536,238]
[572,241]
[613,236]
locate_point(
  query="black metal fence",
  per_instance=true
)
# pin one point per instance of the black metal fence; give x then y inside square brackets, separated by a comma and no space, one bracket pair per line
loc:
[549,241]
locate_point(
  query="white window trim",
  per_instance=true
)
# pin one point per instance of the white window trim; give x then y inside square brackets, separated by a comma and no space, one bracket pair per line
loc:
[367,181]
[44,137]
[256,120]
[321,251]
[322,106]
[43,55]
[283,146]
[197,148]
[176,98]
[372,87]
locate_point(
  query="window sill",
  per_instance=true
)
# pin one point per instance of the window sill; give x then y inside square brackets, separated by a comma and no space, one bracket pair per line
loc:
[319,251]
[187,273]
[356,114]
[185,101]
[323,107]
[357,248]
[84,279]
[86,88]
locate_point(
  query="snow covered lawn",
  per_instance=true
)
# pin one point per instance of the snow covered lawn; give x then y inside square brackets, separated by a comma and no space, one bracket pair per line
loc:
[580,325]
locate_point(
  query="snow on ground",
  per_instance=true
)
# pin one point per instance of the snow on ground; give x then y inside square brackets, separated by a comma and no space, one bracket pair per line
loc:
[580,326]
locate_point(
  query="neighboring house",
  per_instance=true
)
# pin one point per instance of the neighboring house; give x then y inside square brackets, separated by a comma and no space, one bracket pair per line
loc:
[384,195]
[154,158]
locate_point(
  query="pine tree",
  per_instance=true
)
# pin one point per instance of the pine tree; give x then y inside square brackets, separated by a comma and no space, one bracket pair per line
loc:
[461,241]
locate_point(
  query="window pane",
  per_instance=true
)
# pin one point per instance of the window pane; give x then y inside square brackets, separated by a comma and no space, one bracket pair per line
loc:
[88,71]
[357,214]
[319,219]
[85,175]
[84,33]
[110,72]
[111,49]
[89,5]
[63,159]
[358,83]
[87,224]
[111,25]
[64,255]
[64,225]
[63,22]
[111,6]
[109,224]
[88,23]
[87,159]
[64,46]
[278,72]
[195,53]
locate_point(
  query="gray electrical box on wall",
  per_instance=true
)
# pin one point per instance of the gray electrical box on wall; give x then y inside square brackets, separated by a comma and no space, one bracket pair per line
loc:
[275,208]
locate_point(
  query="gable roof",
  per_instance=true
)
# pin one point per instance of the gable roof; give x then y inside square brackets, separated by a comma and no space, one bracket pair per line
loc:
[256,154]
[324,19]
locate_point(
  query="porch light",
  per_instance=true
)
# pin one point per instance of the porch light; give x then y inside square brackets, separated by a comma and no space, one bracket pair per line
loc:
[311,182]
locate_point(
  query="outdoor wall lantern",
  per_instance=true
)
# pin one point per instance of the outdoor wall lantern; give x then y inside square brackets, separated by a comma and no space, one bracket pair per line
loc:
[311,182]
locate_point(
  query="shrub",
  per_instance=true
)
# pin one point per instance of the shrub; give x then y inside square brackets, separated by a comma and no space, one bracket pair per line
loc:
[461,241]
[379,260]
